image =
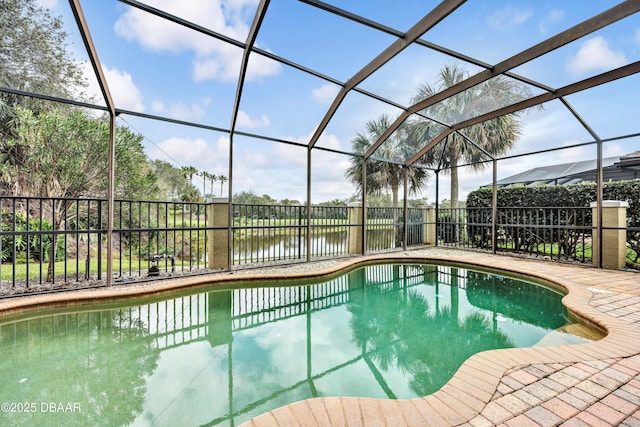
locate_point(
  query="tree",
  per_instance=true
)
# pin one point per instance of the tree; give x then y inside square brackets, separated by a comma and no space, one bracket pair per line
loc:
[289,202]
[191,194]
[34,57]
[251,198]
[204,175]
[171,182]
[213,177]
[496,136]
[384,328]
[382,175]
[109,380]
[188,172]
[60,154]
[222,180]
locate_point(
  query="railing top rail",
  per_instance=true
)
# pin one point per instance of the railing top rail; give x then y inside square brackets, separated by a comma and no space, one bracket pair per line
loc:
[97,199]
[520,207]
[288,205]
[92,199]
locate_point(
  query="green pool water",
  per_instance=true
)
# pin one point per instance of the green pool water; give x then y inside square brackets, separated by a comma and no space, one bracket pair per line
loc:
[226,354]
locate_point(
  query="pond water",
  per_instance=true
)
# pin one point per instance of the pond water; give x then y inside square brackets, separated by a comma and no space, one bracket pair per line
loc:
[226,354]
[269,245]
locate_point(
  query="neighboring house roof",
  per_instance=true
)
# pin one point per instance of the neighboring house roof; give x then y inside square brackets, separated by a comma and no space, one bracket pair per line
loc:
[614,169]
[631,159]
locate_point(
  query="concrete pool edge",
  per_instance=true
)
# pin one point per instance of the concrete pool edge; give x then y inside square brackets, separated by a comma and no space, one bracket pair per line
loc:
[472,390]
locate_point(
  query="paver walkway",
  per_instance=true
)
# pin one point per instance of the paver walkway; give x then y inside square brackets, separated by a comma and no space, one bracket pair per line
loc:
[590,393]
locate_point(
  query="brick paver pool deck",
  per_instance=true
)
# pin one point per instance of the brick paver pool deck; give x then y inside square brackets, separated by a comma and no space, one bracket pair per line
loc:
[592,384]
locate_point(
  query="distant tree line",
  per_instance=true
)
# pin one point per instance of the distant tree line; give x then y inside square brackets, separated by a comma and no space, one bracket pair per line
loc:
[382,200]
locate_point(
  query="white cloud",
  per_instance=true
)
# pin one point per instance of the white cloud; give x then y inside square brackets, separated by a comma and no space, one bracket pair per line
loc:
[330,141]
[213,59]
[325,94]
[256,160]
[613,150]
[244,121]
[554,15]
[157,106]
[208,69]
[196,152]
[537,128]
[593,55]
[329,181]
[260,67]
[124,91]
[280,170]
[158,34]
[181,111]
[573,154]
[508,17]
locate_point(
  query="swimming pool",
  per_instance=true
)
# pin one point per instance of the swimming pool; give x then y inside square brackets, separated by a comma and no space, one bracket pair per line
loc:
[226,354]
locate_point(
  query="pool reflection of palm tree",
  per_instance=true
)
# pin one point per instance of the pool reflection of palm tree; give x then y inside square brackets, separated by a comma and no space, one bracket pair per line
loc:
[109,388]
[397,329]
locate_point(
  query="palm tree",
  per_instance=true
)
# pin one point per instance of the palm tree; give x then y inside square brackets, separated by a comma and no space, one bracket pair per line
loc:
[204,175]
[496,136]
[188,172]
[222,180]
[384,329]
[191,193]
[213,177]
[382,175]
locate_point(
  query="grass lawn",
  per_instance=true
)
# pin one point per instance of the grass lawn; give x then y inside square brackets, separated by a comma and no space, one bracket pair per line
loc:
[80,267]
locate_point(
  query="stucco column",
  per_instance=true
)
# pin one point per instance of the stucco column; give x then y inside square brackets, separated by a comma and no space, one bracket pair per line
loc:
[354,244]
[614,242]
[218,241]
[429,227]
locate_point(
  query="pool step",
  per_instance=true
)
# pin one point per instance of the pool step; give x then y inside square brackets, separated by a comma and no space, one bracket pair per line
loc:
[575,333]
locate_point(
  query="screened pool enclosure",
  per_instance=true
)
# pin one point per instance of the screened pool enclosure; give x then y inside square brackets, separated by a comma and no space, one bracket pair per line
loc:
[315,103]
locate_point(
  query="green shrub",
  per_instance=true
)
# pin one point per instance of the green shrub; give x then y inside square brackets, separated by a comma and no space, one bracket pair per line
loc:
[14,247]
[569,196]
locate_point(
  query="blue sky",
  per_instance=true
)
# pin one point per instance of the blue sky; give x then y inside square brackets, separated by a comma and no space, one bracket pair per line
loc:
[157,67]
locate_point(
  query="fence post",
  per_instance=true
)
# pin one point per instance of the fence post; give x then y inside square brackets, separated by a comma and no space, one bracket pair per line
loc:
[219,313]
[354,245]
[614,240]
[429,227]
[218,218]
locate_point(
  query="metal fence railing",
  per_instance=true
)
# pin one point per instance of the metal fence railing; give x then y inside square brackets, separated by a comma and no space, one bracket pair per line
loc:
[331,230]
[554,232]
[633,243]
[47,243]
[386,228]
[267,233]
[44,242]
